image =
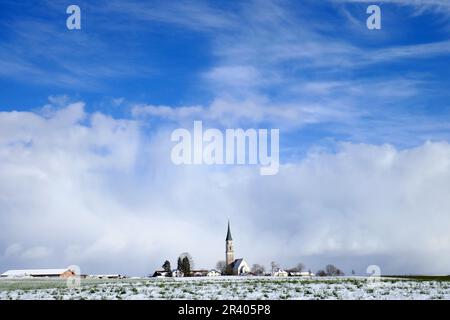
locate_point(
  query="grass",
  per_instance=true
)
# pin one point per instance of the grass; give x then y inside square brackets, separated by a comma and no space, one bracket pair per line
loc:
[422,278]
[39,284]
[239,288]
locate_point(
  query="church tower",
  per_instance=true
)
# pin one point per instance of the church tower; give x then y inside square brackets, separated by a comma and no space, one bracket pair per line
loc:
[229,253]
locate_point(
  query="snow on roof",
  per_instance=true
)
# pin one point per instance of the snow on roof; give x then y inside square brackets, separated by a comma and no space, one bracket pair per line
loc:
[237,263]
[33,272]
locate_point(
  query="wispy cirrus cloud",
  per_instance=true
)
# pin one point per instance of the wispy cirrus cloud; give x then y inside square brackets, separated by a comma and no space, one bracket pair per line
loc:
[195,15]
[41,52]
[252,44]
[253,111]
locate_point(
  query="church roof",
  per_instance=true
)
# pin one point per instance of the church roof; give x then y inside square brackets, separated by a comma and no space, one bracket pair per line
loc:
[237,263]
[228,233]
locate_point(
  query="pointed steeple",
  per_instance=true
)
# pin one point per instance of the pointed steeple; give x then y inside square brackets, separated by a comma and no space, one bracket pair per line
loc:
[228,233]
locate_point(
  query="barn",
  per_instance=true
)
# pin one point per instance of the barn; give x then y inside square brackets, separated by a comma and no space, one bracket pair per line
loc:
[38,273]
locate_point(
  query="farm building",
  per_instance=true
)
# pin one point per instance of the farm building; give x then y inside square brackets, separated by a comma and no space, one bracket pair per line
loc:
[213,273]
[301,274]
[177,273]
[109,276]
[38,273]
[160,274]
[199,273]
[279,273]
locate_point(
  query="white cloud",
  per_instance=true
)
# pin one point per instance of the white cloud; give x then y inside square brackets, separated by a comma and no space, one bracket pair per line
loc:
[277,68]
[99,193]
[251,111]
[237,76]
[89,189]
[189,14]
[37,253]
[167,112]
[13,250]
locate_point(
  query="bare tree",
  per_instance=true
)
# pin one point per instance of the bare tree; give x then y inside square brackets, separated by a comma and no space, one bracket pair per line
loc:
[298,268]
[330,271]
[333,271]
[321,273]
[257,269]
[274,266]
[221,266]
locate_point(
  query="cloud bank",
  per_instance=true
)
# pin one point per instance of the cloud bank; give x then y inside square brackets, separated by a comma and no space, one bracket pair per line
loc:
[88,189]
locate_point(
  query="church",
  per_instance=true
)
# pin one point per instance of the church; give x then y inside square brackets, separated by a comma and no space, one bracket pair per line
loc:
[234,266]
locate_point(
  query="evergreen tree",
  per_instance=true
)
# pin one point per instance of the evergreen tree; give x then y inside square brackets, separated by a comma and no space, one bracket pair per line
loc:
[167,268]
[180,264]
[186,267]
[229,270]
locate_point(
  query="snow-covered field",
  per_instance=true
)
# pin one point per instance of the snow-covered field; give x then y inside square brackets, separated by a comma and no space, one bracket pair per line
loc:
[227,288]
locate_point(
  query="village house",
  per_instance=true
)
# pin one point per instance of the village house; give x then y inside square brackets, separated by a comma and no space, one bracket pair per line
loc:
[199,273]
[301,274]
[160,274]
[109,276]
[177,273]
[213,273]
[279,273]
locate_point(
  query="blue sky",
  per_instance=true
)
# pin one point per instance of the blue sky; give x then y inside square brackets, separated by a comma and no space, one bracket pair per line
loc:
[374,86]
[86,116]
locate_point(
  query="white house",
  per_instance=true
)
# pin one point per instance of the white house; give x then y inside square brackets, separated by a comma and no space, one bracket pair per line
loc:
[159,274]
[110,276]
[177,273]
[213,273]
[301,274]
[279,273]
[199,273]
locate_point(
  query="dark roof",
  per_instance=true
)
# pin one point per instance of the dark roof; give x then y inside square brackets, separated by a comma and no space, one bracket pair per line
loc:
[228,233]
[236,263]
